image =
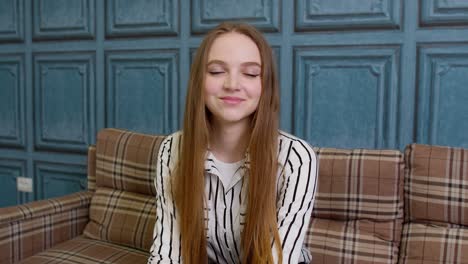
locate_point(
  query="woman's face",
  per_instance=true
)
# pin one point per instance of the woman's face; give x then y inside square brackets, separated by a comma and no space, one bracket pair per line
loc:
[233,78]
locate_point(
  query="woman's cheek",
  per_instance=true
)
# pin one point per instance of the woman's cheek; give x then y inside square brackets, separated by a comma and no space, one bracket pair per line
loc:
[212,85]
[255,89]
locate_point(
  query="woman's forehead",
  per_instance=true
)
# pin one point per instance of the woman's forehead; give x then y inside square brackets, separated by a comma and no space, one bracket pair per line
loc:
[234,48]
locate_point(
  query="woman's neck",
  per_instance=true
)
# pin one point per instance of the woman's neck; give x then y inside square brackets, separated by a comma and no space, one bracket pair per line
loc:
[228,142]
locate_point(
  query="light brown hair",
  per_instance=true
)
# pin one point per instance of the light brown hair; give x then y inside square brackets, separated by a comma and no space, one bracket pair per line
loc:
[189,176]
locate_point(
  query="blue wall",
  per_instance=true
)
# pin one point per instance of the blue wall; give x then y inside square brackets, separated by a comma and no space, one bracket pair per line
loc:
[354,73]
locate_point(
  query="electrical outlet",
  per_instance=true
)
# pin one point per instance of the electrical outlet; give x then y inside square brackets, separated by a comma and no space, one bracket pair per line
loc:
[24,184]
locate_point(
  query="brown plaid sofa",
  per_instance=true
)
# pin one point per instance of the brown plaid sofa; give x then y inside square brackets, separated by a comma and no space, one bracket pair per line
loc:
[436,205]
[372,206]
[112,222]
[358,212]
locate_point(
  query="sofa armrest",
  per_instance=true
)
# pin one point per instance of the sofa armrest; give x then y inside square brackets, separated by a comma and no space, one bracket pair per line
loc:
[28,229]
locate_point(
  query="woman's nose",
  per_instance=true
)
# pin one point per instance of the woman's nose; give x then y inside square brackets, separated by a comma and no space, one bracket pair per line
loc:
[231,81]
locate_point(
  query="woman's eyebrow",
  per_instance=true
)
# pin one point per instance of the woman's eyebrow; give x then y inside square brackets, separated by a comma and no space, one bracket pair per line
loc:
[251,63]
[216,62]
[244,64]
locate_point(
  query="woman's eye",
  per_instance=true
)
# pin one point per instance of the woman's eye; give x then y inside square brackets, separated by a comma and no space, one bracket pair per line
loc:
[216,72]
[251,75]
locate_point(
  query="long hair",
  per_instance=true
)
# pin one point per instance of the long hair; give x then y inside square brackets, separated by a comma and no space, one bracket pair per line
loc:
[189,176]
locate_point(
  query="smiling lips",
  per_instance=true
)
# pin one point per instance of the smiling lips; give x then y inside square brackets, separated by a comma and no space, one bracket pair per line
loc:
[230,100]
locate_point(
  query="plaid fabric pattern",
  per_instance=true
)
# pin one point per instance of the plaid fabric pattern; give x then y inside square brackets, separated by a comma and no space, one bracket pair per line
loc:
[436,181]
[357,241]
[358,209]
[83,251]
[31,228]
[123,207]
[359,184]
[436,184]
[122,217]
[92,168]
[432,244]
[126,160]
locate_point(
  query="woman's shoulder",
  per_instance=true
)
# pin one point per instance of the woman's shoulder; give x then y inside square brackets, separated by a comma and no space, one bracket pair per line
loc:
[170,144]
[173,135]
[289,143]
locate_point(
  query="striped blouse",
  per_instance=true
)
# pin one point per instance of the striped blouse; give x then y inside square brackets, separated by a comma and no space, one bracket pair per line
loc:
[226,206]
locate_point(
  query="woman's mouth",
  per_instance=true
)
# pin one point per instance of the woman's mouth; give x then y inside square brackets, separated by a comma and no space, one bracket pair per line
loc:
[230,100]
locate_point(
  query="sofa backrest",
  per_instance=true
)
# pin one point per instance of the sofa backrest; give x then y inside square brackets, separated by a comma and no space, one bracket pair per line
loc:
[436,205]
[122,209]
[358,211]
[126,160]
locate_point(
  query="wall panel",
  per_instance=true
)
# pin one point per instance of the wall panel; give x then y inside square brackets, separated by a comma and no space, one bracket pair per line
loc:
[264,14]
[56,179]
[353,73]
[12,94]
[142,91]
[443,96]
[11,20]
[346,96]
[64,94]
[444,12]
[63,19]
[10,170]
[141,17]
[347,14]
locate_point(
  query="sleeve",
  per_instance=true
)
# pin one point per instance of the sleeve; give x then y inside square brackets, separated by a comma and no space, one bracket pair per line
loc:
[166,234]
[295,200]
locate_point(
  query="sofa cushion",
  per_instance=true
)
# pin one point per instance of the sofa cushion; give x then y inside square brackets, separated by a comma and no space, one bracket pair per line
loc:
[122,217]
[436,208]
[359,184]
[436,184]
[123,208]
[358,209]
[84,250]
[423,243]
[357,241]
[126,160]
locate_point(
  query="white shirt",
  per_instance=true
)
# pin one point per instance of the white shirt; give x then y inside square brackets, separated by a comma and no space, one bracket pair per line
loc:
[226,171]
[226,204]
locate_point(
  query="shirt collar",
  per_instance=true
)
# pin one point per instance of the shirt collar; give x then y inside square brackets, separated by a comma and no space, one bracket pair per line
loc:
[210,165]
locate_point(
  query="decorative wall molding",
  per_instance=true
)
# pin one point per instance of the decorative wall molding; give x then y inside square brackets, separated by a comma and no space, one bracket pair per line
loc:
[263,14]
[442,96]
[316,15]
[138,17]
[147,83]
[353,73]
[347,96]
[64,100]
[58,179]
[10,170]
[11,20]
[443,13]
[63,19]
[12,98]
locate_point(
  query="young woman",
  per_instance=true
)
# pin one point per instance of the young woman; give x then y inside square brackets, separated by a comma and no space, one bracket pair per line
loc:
[231,187]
